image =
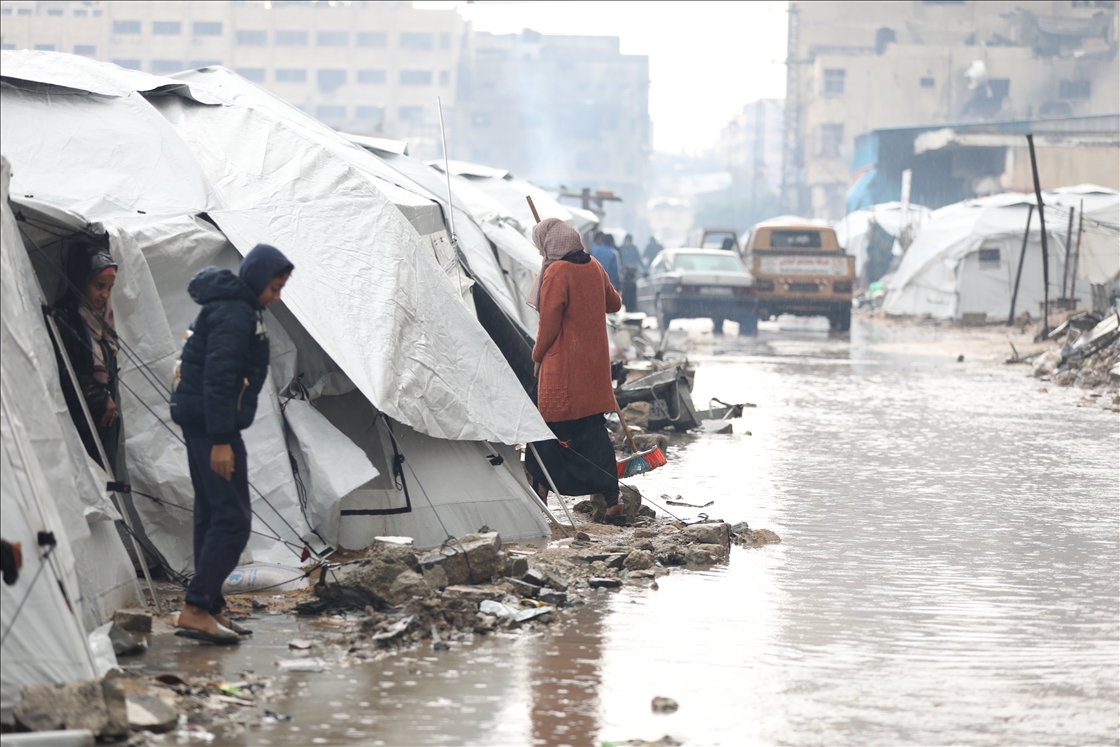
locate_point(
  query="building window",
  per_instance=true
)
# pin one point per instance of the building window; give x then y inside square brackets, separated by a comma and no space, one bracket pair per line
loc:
[372,77]
[80,12]
[128,64]
[369,113]
[5,11]
[480,119]
[330,80]
[255,74]
[1075,89]
[414,114]
[167,28]
[23,12]
[7,45]
[833,82]
[85,50]
[291,75]
[252,37]
[291,38]
[332,38]
[412,40]
[445,41]
[926,82]
[330,112]
[166,67]
[123,27]
[54,12]
[44,47]
[207,28]
[416,77]
[373,39]
[832,136]
[989,259]
[445,77]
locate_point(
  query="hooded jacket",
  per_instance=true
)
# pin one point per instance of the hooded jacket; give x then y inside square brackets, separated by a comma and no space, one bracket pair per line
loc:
[225,358]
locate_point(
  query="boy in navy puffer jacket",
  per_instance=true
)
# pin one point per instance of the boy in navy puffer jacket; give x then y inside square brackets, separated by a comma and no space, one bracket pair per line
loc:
[224,365]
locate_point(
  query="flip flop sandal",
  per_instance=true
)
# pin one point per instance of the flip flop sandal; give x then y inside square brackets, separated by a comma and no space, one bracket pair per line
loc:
[223,637]
[239,629]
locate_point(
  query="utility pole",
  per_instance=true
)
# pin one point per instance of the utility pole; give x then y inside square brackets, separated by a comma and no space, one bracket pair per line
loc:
[793,152]
[1045,253]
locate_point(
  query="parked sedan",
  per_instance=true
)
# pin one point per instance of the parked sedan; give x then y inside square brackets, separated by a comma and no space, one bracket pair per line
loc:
[696,283]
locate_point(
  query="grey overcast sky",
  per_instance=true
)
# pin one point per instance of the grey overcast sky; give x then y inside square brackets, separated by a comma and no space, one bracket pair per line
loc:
[706,59]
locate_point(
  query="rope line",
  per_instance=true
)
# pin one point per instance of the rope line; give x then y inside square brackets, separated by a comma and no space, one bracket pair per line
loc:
[27,594]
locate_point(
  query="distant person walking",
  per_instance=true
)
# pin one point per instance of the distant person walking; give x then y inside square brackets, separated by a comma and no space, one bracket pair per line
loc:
[89,336]
[572,363]
[652,250]
[605,255]
[224,365]
[631,257]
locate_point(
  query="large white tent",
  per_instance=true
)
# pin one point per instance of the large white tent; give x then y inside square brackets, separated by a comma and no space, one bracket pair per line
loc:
[373,333]
[47,486]
[967,255]
[854,230]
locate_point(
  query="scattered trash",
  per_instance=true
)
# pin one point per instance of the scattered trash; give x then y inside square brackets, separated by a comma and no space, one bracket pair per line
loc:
[716,426]
[679,502]
[603,583]
[246,579]
[300,644]
[308,664]
[491,607]
[663,705]
[271,717]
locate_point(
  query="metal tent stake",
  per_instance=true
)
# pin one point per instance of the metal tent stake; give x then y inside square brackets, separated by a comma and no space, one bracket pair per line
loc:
[559,496]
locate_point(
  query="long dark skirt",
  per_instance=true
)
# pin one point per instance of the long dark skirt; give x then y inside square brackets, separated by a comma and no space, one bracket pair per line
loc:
[586,466]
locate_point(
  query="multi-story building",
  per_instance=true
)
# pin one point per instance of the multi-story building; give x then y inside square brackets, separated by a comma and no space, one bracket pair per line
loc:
[366,67]
[750,148]
[855,67]
[560,111]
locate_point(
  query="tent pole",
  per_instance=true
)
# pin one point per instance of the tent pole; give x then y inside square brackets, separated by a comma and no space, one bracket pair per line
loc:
[536,498]
[1019,272]
[1065,265]
[1045,252]
[559,496]
[117,501]
[1077,253]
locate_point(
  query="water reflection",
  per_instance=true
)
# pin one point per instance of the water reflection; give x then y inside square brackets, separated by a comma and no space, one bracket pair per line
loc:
[948,574]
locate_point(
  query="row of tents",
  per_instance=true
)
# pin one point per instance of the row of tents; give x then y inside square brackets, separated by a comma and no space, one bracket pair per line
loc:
[968,258]
[400,354]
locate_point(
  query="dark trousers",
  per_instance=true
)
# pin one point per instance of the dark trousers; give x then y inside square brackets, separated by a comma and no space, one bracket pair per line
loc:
[222,520]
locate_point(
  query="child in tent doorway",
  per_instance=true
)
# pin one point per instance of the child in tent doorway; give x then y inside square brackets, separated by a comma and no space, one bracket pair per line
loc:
[84,316]
[224,365]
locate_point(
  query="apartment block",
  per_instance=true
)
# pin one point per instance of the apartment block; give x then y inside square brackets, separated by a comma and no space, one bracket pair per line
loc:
[567,111]
[857,67]
[366,67]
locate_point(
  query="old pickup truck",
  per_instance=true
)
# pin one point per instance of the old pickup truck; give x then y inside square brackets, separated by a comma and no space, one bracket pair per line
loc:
[800,269]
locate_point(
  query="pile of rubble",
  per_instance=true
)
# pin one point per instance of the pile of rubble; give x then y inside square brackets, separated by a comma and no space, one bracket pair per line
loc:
[1089,355]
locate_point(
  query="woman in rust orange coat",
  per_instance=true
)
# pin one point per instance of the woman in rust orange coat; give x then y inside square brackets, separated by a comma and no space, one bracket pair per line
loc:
[572,363]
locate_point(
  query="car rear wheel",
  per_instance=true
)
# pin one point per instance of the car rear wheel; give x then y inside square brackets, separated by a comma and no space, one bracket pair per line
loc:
[840,320]
[748,325]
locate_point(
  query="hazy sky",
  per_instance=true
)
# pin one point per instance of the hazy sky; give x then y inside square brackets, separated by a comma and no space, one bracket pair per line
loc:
[706,59]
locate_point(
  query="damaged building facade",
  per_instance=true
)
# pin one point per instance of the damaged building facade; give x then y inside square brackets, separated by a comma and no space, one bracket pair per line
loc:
[859,67]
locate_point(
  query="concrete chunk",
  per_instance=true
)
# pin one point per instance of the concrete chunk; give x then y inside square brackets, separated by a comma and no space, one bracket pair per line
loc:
[471,559]
[134,621]
[94,704]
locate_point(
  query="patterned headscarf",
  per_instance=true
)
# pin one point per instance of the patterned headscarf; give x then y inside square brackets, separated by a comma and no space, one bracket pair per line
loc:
[555,240]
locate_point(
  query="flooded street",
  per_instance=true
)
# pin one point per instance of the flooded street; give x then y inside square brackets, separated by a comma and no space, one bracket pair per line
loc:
[948,573]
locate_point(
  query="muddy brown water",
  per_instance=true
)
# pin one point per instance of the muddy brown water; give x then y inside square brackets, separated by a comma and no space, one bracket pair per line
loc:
[949,573]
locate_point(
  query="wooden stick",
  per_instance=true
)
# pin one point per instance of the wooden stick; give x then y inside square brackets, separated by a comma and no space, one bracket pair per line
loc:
[559,497]
[533,207]
[625,427]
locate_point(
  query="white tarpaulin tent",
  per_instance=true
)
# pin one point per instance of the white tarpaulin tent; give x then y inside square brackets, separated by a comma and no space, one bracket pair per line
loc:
[966,257]
[47,485]
[511,193]
[853,231]
[369,307]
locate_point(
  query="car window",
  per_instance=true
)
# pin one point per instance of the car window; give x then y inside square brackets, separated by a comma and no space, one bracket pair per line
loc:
[795,239]
[658,265]
[708,263]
